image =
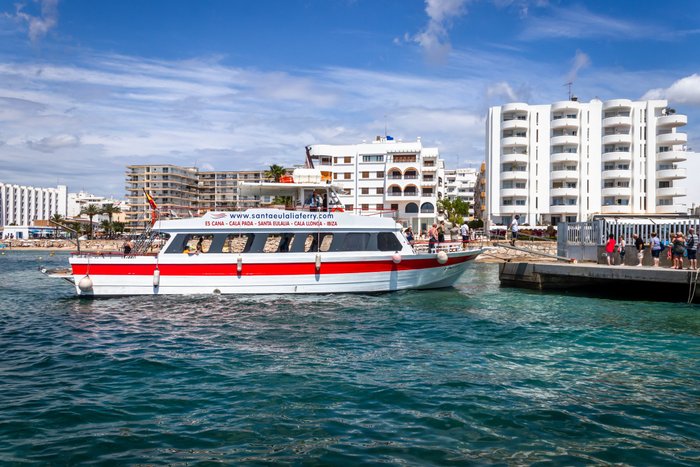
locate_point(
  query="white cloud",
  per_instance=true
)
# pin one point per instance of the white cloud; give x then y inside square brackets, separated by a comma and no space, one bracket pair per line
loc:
[39,26]
[434,38]
[580,61]
[684,91]
[55,142]
[576,22]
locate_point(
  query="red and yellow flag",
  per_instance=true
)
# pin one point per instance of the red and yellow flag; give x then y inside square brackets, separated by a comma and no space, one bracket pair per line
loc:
[150,200]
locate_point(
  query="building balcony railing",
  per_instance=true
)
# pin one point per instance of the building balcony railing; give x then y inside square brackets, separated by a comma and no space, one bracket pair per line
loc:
[616,156]
[671,156]
[672,120]
[671,138]
[670,191]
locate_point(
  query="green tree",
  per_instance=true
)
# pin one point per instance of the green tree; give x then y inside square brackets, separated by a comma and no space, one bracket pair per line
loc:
[106,226]
[455,209]
[276,172]
[91,211]
[110,209]
[56,219]
[118,227]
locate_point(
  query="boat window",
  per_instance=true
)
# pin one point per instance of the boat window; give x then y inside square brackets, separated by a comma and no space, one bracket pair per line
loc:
[198,243]
[318,242]
[387,241]
[237,243]
[355,242]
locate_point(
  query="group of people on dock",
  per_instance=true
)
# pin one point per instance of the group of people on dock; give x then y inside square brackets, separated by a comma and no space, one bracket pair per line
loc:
[677,247]
[436,235]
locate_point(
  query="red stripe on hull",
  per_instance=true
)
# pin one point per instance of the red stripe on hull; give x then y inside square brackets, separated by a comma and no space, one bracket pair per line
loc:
[262,269]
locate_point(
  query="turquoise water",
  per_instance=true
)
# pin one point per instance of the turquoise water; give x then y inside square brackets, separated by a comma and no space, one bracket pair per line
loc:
[470,375]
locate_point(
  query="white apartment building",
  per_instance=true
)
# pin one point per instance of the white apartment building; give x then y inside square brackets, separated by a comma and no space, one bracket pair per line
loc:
[22,205]
[384,175]
[78,201]
[569,160]
[461,183]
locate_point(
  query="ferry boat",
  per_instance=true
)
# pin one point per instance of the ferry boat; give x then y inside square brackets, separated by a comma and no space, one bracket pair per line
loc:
[300,249]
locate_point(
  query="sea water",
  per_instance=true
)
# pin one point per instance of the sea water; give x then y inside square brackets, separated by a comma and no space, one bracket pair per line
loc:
[475,374]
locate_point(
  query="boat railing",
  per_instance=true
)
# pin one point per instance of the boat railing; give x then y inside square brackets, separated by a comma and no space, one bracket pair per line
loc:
[447,247]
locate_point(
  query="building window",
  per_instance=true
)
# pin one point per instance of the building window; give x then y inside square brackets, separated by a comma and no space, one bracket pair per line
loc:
[348,160]
[365,191]
[349,207]
[365,207]
[347,176]
[380,174]
[365,174]
[426,208]
[376,158]
[395,207]
[380,190]
[379,207]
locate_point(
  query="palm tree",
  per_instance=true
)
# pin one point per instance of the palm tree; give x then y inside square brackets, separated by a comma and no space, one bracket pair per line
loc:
[91,211]
[56,219]
[276,172]
[106,226]
[110,210]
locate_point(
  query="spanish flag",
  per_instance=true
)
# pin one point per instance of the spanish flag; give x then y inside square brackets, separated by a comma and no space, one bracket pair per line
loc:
[149,198]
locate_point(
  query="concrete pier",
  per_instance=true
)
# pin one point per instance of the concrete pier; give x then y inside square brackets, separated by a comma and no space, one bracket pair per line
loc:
[602,280]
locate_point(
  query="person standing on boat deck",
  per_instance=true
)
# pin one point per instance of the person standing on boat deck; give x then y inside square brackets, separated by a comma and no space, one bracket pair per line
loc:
[441,232]
[464,232]
[639,245]
[432,237]
[621,244]
[610,248]
[324,202]
[409,236]
[313,205]
[655,248]
[514,229]
[127,247]
[691,245]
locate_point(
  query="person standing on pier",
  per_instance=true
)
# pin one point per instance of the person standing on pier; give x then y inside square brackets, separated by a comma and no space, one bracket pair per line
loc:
[655,247]
[621,244]
[691,245]
[610,248]
[514,229]
[639,245]
[678,250]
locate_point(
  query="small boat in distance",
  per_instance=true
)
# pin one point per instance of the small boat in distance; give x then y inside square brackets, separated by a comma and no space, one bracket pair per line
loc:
[304,247]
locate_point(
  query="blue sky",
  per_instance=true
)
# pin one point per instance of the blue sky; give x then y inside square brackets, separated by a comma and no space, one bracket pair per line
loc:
[88,87]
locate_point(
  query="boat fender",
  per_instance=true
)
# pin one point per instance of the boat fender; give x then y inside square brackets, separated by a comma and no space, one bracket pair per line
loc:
[318,263]
[156,278]
[85,284]
[396,258]
[442,257]
[239,264]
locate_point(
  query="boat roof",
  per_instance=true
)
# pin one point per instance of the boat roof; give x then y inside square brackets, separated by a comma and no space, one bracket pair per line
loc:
[282,189]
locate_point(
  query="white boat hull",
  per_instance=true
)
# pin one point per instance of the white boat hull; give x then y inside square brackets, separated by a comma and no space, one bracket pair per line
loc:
[260,274]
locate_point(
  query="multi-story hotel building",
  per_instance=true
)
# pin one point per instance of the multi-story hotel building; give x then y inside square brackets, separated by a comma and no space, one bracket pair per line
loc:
[480,193]
[569,160]
[384,175]
[22,205]
[185,191]
[461,183]
[173,188]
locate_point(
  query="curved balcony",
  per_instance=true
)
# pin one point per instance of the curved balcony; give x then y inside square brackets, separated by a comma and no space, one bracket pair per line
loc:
[563,209]
[514,124]
[671,156]
[617,104]
[510,141]
[616,174]
[564,157]
[512,209]
[513,192]
[617,121]
[670,191]
[563,139]
[616,156]
[514,158]
[672,138]
[671,208]
[670,174]
[515,107]
[514,175]
[565,105]
[564,175]
[617,138]
[616,209]
[619,191]
[672,121]
[570,192]
[564,123]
